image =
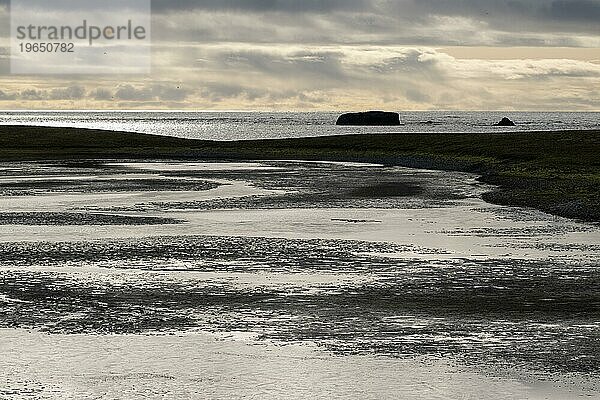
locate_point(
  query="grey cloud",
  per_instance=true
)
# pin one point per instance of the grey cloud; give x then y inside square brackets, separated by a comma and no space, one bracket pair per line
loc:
[306,65]
[269,72]
[263,5]
[70,5]
[277,76]
[586,10]
[416,95]
[127,92]
[102,94]
[4,21]
[271,67]
[170,92]
[73,92]
[411,61]
[155,92]
[32,94]
[4,96]
[219,92]
[69,93]
[416,22]
[502,10]
[390,75]
[223,91]
[392,20]
[493,22]
[577,10]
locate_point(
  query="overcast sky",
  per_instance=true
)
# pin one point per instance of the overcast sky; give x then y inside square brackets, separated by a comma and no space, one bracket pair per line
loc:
[344,55]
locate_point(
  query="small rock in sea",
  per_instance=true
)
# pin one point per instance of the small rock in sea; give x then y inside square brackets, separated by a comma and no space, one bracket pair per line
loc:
[506,122]
[370,118]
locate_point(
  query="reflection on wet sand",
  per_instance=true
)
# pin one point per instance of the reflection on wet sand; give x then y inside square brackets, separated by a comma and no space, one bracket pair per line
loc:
[354,269]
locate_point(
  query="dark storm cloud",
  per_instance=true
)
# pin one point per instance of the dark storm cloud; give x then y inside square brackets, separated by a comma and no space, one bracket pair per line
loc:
[572,10]
[263,5]
[554,10]
[582,10]
[578,10]
[389,22]
[407,22]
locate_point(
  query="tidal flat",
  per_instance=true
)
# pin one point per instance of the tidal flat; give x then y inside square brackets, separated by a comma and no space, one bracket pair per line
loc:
[287,279]
[557,172]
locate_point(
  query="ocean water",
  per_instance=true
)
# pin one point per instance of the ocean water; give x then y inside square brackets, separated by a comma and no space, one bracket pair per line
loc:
[263,125]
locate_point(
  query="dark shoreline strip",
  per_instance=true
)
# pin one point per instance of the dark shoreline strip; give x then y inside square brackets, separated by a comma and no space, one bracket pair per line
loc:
[557,172]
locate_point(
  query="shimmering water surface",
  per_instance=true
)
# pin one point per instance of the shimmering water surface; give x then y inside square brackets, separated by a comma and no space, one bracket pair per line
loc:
[258,125]
[287,280]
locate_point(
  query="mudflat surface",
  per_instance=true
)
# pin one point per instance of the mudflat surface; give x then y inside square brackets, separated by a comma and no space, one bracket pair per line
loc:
[288,280]
[556,171]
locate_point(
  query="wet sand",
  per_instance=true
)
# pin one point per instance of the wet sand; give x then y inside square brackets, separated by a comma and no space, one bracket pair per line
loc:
[289,280]
[232,367]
